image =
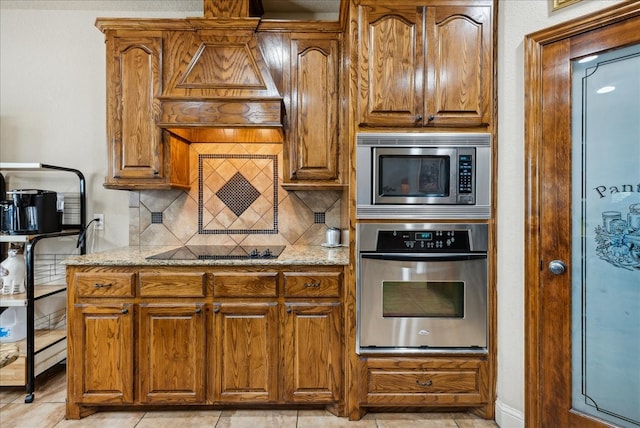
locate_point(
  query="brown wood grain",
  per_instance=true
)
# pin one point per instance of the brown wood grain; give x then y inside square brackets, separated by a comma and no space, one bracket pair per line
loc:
[312,284]
[548,55]
[247,352]
[312,352]
[172,353]
[229,284]
[424,65]
[168,284]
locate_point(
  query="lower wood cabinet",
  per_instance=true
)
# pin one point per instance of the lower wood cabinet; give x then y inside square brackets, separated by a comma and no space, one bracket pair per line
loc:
[171,353]
[184,336]
[246,344]
[421,381]
[312,351]
[100,345]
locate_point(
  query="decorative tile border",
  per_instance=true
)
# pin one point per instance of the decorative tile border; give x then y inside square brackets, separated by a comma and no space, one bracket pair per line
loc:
[237,193]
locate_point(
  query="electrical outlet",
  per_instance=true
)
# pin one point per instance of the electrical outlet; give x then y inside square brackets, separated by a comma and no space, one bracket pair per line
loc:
[99,223]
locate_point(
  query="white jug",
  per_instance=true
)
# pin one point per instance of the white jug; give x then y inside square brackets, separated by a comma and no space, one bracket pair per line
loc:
[13,324]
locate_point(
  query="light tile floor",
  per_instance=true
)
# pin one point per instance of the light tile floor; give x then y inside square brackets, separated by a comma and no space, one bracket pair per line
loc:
[47,411]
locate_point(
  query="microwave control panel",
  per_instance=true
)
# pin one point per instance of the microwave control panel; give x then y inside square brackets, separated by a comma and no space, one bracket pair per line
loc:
[465,174]
[417,241]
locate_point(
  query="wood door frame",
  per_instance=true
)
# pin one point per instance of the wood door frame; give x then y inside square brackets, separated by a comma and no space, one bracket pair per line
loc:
[566,38]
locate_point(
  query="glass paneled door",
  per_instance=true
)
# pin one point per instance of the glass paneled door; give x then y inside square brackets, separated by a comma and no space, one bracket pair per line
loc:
[605,260]
[582,252]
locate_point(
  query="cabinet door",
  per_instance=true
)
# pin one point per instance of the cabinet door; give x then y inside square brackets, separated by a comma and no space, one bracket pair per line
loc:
[246,352]
[132,90]
[313,140]
[391,66]
[101,354]
[172,353]
[459,66]
[312,352]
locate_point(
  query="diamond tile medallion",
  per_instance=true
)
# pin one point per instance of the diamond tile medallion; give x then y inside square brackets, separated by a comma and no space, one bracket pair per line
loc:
[242,194]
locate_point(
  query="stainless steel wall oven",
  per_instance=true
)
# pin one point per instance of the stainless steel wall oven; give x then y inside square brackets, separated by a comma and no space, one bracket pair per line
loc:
[422,287]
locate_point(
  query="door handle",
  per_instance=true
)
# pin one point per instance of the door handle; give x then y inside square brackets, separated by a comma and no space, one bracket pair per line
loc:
[557,267]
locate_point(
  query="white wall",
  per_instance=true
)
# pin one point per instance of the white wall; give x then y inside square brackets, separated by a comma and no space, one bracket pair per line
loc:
[52,110]
[52,94]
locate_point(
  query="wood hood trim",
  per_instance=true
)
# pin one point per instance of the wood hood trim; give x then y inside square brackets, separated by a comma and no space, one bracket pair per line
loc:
[212,72]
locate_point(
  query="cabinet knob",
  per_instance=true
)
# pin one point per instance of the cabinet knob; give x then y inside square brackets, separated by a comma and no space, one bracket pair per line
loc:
[198,310]
[419,118]
[125,311]
[289,310]
[425,384]
[431,117]
[155,172]
[216,309]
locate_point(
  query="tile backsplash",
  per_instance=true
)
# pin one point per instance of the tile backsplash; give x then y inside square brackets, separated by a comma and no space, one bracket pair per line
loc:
[235,198]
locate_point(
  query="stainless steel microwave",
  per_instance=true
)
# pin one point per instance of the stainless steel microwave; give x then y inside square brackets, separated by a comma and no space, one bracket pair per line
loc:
[426,175]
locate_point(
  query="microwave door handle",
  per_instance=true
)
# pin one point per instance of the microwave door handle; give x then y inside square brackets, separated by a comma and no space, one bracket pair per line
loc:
[424,257]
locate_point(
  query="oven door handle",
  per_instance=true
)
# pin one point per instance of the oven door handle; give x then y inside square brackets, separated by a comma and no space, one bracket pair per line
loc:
[442,257]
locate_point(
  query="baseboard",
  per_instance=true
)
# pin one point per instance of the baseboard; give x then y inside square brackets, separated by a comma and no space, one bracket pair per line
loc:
[508,417]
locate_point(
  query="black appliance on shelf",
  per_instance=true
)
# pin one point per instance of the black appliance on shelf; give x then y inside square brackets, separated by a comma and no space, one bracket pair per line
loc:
[30,211]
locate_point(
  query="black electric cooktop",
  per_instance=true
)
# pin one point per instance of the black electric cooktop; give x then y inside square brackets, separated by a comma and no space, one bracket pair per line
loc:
[221,252]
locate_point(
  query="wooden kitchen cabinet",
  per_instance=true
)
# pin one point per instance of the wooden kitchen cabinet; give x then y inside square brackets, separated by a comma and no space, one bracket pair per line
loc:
[312,155]
[101,345]
[100,336]
[246,337]
[312,352]
[312,338]
[246,345]
[425,381]
[204,336]
[426,65]
[172,336]
[140,154]
[171,356]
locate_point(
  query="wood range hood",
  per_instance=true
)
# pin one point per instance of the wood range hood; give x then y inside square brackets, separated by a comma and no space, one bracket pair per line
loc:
[214,85]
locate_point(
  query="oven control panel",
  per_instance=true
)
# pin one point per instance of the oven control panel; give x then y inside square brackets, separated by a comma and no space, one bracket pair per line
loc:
[416,241]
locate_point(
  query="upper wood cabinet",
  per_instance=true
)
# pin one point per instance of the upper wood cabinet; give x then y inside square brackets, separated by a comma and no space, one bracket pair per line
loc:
[140,154]
[313,141]
[425,65]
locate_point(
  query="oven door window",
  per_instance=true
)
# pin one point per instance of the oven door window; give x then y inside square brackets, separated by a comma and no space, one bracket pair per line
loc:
[413,175]
[423,299]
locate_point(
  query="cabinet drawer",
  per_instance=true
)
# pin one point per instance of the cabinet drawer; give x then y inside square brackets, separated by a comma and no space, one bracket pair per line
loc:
[173,284]
[112,284]
[312,284]
[423,382]
[245,285]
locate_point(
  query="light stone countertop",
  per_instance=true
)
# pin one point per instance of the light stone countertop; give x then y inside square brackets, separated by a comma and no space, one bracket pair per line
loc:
[136,256]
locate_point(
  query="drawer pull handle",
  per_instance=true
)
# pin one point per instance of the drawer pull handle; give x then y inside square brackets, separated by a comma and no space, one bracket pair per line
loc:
[125,311]
[312,284]
[100,285]
[425,384]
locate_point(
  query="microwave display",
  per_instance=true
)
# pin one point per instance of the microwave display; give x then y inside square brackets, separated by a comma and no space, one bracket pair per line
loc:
[420,176]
